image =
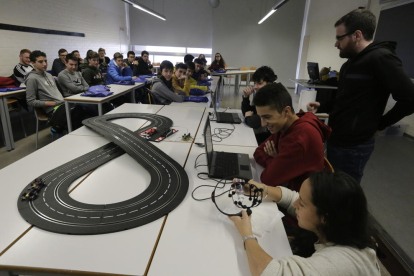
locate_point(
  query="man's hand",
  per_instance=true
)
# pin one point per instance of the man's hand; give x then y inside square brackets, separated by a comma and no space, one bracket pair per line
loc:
[313,107]
[149,62]
[50,103]
[378,132]
[270,148]
[136,62]
[247,91]
[248,114]
[243,224]
[134,77]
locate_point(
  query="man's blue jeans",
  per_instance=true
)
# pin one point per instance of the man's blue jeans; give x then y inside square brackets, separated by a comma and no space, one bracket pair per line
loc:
[351,160]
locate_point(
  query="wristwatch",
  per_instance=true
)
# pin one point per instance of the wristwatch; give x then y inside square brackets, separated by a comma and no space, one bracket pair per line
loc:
[246,238]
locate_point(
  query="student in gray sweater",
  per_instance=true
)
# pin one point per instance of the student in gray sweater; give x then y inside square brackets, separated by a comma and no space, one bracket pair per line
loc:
[162,88]
[70,79]
[333,207]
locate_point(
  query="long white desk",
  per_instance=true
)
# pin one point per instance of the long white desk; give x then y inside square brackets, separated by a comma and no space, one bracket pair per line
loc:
[5,117]
[118,90]
[237,77]
[191,227]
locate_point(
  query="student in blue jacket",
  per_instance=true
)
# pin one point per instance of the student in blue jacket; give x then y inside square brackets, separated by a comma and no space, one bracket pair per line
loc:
[118,70]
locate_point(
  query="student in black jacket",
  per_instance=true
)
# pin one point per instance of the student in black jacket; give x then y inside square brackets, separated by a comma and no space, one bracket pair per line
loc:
[59,64]
[371,73]
[144,65]
[261,77]
[132,63]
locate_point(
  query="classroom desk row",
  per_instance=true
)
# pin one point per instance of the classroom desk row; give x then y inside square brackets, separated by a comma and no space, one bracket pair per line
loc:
[191,240]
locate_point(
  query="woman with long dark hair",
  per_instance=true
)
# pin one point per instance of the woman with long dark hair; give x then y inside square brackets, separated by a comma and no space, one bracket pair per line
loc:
[333,208]
[218,63]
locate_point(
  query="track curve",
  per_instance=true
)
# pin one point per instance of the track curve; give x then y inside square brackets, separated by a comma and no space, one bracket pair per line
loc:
[54,210]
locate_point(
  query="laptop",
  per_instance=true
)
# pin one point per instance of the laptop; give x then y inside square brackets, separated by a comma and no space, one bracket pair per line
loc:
[223,117]
[225,165]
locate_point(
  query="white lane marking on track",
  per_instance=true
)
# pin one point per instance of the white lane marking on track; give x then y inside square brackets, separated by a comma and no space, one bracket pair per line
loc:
[45,188]
[134,211]
[160,197]
[95,217]
[168,186]
[153,202]
[60,212]
[144,207]
[165,192]
[47,204]
[108,217]
[52,209]
[81,217]
[121,214]
[44,200]
[70,215]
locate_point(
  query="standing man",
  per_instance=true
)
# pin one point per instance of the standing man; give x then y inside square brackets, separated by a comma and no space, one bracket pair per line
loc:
[24,67]
[144,65]
[59,64]
[132,63]
[371,73]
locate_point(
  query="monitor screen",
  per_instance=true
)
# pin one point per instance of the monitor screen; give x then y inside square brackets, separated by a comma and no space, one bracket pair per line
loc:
[313,71]
[208,142]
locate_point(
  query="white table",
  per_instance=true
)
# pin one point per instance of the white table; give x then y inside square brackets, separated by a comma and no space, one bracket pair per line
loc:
[5,117]
[195,241]
[237,79]
[118,90]
[304,84]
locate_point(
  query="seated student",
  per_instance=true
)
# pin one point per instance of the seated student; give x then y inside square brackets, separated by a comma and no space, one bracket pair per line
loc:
[332,210]
[24,66]
[103,60]
[188,58]
[91,73]
[218,63]
[41,91]
[261,77]
[199,64]
[70,79]
[203,68]
[144,65]
[82,62]
[59,63]
[181,80]
[193,82]
[295,148]
[201,56]
[162,88]
[118,70]
[132,63]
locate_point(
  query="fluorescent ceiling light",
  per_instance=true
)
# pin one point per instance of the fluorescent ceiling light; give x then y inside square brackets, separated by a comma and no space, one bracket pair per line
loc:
[278,5]
[266,16]
[145,9]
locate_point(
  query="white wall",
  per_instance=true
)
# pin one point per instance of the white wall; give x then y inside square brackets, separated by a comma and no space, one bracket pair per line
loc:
[244,43]
[188,24]
[100,20]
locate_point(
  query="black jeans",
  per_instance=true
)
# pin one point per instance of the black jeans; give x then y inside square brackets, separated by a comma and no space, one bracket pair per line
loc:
[351,160]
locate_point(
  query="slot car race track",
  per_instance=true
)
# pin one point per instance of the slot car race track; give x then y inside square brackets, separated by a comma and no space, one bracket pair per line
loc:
[54,210]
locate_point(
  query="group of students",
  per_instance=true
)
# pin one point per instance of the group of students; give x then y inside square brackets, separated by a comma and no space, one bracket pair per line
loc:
[326,212]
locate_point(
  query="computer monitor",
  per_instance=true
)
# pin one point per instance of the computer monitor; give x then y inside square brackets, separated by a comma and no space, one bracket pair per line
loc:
[313,71]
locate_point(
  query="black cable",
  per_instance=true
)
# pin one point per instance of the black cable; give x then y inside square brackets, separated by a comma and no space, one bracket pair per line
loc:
[221,133]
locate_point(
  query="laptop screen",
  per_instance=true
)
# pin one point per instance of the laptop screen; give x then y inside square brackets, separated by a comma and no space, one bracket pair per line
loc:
[208,142]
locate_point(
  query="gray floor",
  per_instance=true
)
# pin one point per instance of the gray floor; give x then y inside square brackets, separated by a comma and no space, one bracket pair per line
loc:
[388,181]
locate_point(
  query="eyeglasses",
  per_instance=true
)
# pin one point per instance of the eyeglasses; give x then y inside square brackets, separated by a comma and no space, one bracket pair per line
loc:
[339,37]
[217,56]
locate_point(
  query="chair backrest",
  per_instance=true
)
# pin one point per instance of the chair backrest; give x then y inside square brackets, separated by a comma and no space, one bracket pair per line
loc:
[244,68]
[327,167]
[253,68]
[40,114]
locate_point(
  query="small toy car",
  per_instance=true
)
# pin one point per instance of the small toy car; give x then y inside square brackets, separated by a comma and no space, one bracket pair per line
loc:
[166,134]
[148,133]
[33,190]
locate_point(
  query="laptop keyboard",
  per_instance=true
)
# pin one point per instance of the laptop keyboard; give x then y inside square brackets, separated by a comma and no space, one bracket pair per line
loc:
[229,164]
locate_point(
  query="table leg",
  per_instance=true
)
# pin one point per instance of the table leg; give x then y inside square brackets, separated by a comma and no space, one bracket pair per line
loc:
[68,118]
[133,96]
[248,80]
[100,109]
[236,85]
[5,122]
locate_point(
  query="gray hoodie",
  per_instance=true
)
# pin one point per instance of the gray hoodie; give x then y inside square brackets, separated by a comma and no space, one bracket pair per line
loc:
[41,88]
[163,95]
[72,83]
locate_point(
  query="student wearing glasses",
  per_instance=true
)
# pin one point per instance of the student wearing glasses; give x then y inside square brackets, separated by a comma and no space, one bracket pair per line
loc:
[333,209]
[59,64]
[218,63]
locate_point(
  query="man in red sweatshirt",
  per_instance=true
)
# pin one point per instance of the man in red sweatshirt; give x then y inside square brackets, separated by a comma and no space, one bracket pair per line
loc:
[295,148]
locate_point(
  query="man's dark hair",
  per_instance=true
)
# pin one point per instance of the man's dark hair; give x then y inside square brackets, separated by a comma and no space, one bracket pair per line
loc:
[130,53]
[61,51]
[359,19]
[181,66]
[191,66]
[204,60]
[198,61]
[144,53]
[166,64]
[75,51]
[118,55]
[275,96]
[91,55]
[35,54]
[188,58]
[264,73]
[72,57]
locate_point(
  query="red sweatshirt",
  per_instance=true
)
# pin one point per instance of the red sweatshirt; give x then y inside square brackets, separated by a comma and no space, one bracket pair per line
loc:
[300,152]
